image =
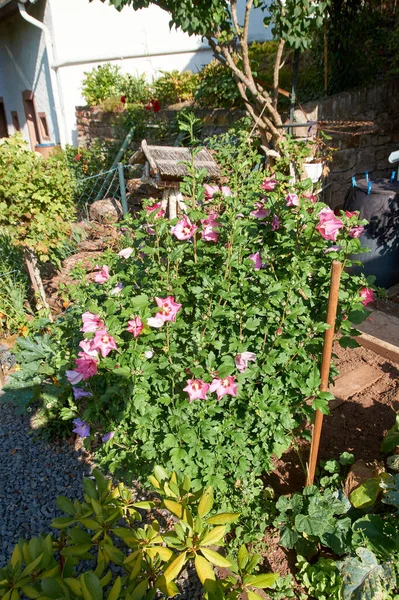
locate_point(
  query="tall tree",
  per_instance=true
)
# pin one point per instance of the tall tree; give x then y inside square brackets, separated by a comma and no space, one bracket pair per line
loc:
[292,23]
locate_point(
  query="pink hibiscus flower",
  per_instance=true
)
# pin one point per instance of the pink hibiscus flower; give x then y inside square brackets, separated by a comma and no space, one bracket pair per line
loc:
[104,342]
[226,191]
[269,183]
[292,200]
[135,326]
[86,365]
[210,233]
[169,308]
[152,207]
[224,386]
[184,229]
[242,360]
[91,322]
[349,214]
[356,231]
[311,198]
[257,260]
[329,225]
[210,190]
[276,223]
[125,253]
[73,376]
[261,212]
[87,347]
[196,389]
[367,296]
[102,274]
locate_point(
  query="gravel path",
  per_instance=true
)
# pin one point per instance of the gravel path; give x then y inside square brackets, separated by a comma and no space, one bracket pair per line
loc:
[33,473]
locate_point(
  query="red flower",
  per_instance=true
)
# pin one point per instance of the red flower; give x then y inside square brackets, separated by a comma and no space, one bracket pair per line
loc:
[153,105]
[123,99]
[78,156]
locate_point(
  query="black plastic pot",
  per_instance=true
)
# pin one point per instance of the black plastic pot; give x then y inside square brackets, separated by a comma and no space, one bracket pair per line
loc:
[381,209]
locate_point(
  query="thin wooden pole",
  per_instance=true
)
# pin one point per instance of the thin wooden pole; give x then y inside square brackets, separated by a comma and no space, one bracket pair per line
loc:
[336,270]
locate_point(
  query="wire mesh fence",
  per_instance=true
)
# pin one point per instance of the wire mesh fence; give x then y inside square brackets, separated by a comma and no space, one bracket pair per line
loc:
[105,184]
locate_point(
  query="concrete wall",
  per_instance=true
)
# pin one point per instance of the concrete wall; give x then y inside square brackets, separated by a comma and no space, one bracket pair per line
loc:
[364,126]
[24,66]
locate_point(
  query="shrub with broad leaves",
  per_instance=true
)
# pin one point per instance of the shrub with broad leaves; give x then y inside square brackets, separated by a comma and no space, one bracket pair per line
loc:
[199,343]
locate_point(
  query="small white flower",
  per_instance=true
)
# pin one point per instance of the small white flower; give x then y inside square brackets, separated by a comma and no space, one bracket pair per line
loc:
[48,405]
[155,322]
[148,354]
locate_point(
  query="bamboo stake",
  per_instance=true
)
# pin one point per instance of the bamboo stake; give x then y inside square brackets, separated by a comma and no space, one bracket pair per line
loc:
[325,365]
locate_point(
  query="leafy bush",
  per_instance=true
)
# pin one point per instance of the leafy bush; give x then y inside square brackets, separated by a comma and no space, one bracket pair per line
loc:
[321,580]
[36,197]
[150,560]
[216,87]
[242,284]
[101,83]
[173,87]
[136,89]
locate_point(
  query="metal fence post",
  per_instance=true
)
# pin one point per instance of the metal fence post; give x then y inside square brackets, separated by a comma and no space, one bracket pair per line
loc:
[122,188]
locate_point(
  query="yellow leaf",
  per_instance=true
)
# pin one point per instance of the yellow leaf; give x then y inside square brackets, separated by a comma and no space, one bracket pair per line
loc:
[215,558]
[206,502]
[154,482]
[253,595]
[165,554]
[204,569]
[223,518]
[174,507]
[175,567]
[214,536]
[168,589]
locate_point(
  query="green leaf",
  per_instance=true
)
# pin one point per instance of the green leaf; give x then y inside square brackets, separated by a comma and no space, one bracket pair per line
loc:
[66,505]
[175,567]
[115,590]
[381,536]
[76,550]
[364,577]
[204,569]
[223,518]
[215,558]
[266,580]
[206,502]
[215,536]
[91,586]
[367,493]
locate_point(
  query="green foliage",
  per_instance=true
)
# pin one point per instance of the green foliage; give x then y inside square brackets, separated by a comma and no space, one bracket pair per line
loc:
[391,439]
[363,577]
[102,82]
[136,89]
[36,197]
[173,87]
[321,580]
[138,391]
[312,518]
[103,529]
[216,87]
[14,289]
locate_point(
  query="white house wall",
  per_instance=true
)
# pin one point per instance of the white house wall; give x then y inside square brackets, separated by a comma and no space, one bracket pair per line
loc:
[88,34]
[24,66]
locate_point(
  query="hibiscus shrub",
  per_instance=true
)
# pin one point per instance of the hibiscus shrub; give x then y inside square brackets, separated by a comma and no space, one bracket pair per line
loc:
[198,345]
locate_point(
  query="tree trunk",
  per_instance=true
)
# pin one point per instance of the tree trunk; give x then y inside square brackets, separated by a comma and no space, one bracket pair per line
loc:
[36,281]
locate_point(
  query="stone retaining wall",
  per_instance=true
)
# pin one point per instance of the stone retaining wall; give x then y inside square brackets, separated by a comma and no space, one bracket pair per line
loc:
[363,125]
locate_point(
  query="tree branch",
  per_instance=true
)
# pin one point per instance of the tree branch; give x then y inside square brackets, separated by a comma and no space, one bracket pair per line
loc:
[234,16]
[277,71]
[244,41]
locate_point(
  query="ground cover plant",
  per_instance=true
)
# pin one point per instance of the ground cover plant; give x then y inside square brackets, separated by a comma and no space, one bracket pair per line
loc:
[104,529]
[198,343]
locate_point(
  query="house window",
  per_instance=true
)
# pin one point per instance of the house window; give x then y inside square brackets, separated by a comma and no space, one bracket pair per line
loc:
[3,120]
[31,118]
[15,120]
[43,127]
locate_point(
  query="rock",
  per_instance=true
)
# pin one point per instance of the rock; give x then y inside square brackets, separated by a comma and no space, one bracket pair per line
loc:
[108,210]
[359,473]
